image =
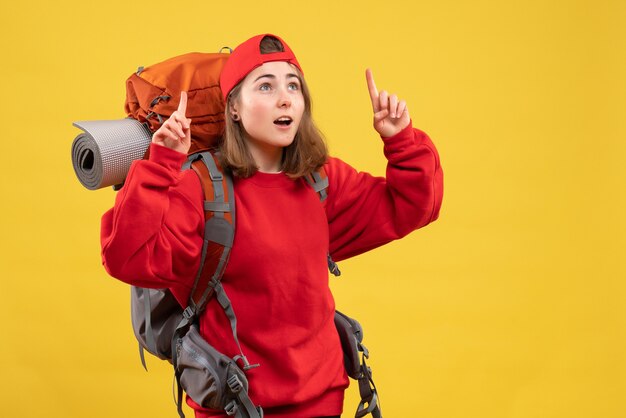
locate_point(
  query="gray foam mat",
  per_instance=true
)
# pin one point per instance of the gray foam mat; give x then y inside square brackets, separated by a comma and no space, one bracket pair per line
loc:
[102,154]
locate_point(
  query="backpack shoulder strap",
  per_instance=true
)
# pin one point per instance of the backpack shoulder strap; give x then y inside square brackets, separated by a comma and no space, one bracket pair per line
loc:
[219,227]
[319,181]
[219,233]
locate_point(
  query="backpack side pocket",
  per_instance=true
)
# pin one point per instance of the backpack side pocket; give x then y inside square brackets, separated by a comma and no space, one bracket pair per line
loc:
[204,371]
[350,335]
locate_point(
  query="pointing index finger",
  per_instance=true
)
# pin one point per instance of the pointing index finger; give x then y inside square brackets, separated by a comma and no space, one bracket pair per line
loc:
[371,86]
[182,105]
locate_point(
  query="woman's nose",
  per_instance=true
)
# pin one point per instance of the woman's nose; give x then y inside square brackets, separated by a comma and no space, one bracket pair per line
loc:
[284,100]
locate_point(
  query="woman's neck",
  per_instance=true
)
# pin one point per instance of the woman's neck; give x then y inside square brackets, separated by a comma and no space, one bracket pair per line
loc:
[268,158]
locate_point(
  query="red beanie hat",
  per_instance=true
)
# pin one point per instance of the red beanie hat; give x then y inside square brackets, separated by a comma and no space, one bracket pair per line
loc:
[246,57]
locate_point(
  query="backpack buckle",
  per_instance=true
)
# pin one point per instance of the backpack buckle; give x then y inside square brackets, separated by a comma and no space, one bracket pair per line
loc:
[189,313]
[235,384]
[364,350]
[157,99]
[216,176]
[151,114]
[231,409]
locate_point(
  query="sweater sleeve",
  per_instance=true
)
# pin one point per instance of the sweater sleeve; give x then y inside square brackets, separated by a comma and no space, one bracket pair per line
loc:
[152,237]
[365,212]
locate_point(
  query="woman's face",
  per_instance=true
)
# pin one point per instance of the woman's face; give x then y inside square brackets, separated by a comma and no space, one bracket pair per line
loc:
[270,105]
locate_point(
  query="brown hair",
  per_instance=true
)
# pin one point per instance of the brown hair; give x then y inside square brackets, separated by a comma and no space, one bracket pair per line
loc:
[304,155]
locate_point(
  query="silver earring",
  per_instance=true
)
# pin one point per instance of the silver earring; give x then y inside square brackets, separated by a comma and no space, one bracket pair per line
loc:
[235,117]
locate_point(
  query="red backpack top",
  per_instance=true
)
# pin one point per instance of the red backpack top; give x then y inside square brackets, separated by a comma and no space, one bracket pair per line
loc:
[153,93]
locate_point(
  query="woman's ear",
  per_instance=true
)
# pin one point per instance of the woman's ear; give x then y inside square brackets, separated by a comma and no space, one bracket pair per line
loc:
[234,114]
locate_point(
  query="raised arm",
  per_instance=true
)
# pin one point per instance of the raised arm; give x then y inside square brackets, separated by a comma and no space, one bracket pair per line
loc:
[365,212]
[153,235]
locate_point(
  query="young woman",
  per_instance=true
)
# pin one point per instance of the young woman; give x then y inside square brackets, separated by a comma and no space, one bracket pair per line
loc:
[277,276]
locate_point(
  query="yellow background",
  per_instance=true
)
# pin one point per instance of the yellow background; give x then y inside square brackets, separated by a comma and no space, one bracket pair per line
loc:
[511,305]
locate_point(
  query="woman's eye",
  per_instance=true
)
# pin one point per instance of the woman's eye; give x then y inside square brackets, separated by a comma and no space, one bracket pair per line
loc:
[264,87]
[294,86]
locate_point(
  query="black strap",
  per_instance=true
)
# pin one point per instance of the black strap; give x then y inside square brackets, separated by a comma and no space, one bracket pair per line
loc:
[333,267]
[242,406]
[179,399]
[369,395]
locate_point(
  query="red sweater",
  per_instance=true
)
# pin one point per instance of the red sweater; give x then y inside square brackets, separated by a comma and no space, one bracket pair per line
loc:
[277,277]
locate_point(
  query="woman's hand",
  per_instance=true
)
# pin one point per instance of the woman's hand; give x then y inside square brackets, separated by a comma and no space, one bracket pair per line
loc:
[390,115]
[175,133]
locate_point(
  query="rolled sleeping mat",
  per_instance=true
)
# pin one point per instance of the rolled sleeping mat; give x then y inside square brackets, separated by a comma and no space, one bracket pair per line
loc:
[102,154]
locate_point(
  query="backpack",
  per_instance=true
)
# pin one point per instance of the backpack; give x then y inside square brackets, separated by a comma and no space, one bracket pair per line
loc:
[160,324]
[152,95]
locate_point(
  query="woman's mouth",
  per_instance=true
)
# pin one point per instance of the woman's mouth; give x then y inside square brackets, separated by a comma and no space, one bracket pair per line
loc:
[283,121]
